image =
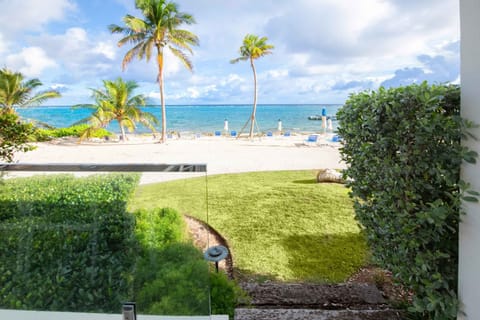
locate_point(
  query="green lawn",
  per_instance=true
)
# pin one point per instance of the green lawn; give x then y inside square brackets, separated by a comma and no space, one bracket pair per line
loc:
[279,225]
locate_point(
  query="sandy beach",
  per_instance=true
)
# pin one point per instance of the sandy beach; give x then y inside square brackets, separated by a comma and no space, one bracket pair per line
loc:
[221,154]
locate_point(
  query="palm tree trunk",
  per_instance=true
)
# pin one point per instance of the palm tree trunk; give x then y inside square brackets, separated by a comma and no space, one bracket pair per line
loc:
[252,124]
[122,129]
[163,138]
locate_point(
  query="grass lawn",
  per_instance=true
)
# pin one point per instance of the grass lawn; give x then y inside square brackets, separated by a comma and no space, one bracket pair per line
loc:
[281,225]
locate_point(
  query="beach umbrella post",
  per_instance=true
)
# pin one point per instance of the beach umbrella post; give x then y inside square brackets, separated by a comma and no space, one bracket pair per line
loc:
[225,125]
[324,120]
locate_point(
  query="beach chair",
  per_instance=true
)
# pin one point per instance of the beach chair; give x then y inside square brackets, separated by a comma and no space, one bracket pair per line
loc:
[336,138]
[311,140]
[233,133]
[269,134]
[286,134]
[218,133]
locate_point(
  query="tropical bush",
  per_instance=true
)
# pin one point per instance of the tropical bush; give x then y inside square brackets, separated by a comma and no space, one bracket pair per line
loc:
[66,243]
[403,150]
[72,131]
[14,136]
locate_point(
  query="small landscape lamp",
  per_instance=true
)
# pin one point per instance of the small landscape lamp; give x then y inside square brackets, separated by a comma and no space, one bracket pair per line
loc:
[216,254]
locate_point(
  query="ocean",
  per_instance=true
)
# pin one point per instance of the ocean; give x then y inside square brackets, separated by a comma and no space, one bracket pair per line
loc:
[201,118]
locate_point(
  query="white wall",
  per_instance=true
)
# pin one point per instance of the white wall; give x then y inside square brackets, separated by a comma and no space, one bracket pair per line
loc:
[469,264]
[43,315]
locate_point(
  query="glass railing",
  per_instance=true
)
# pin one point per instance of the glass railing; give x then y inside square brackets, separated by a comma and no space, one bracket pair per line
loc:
[95,238]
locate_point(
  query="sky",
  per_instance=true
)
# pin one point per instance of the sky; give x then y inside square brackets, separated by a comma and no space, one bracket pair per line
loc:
[324,51]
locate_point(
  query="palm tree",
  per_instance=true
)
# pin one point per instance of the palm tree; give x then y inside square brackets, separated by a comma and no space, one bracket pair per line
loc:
[253,48]
[16,92]
[156,31]
[115,102]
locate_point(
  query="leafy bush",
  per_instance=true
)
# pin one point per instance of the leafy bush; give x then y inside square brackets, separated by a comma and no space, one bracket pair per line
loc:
[225,294]
[66,243]
[73,131]
[13,136]
[404,154]
[171,276]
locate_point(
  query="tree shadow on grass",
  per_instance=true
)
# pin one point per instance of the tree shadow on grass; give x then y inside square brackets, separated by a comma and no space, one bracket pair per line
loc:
[306,181]
[325,258]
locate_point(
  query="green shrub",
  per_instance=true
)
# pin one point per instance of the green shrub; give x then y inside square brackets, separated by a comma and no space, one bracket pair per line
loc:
[225,294]
[66,243]
[404,154]
[14,136]
[73,131]
[171,276]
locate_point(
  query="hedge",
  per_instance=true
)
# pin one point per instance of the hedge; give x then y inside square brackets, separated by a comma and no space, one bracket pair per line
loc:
[66,244]
[72,131]
[403,150]
[70,244]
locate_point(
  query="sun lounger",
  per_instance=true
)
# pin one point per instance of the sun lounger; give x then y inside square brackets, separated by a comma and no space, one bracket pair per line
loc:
[286,134]
[312,139]
[269,134]
[218,133]
[233,133]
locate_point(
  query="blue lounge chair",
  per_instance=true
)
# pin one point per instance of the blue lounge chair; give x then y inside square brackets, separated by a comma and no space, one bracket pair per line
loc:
[312,139]
[286,134]
[336,138]
[269,134]
[233,133]
[218,133]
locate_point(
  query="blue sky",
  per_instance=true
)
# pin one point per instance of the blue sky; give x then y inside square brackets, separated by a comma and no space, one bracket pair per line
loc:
[324,49]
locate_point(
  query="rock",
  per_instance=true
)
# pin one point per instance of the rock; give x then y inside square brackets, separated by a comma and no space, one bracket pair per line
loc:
[329,175]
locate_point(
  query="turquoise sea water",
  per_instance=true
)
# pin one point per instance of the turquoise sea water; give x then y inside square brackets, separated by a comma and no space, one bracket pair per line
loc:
[201,118]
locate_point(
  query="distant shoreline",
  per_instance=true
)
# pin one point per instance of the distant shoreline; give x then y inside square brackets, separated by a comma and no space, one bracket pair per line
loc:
[200,118]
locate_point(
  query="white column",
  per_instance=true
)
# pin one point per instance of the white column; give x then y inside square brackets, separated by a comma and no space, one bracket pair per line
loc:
[469,251]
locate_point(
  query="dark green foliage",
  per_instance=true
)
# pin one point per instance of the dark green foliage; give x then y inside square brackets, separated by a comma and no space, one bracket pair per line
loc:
[404,154]
[73,131]
[225,294]
[66,243]
[171,276]
[14,135]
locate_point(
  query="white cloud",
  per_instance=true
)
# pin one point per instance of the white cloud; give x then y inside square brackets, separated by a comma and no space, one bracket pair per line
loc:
[106,49]
[17,16]
[81,55]
[30,61]
[3,44]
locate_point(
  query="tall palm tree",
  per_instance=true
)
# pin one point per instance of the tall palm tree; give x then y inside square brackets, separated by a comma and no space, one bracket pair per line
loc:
[253,48]
[16,92]
[157,30]
[115,102]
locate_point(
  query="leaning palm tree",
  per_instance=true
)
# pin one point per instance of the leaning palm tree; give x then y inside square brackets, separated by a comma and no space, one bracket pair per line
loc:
[115,102]
[16,92]
[157,30]
[253,48]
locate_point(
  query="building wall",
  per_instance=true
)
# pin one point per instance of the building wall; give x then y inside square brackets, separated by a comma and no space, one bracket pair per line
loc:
[469,264]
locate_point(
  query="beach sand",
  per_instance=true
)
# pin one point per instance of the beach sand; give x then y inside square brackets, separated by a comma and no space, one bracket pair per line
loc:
[221,154]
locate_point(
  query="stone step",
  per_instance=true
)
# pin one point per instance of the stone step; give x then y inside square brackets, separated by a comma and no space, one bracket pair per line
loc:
[315,296]
[309,314]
